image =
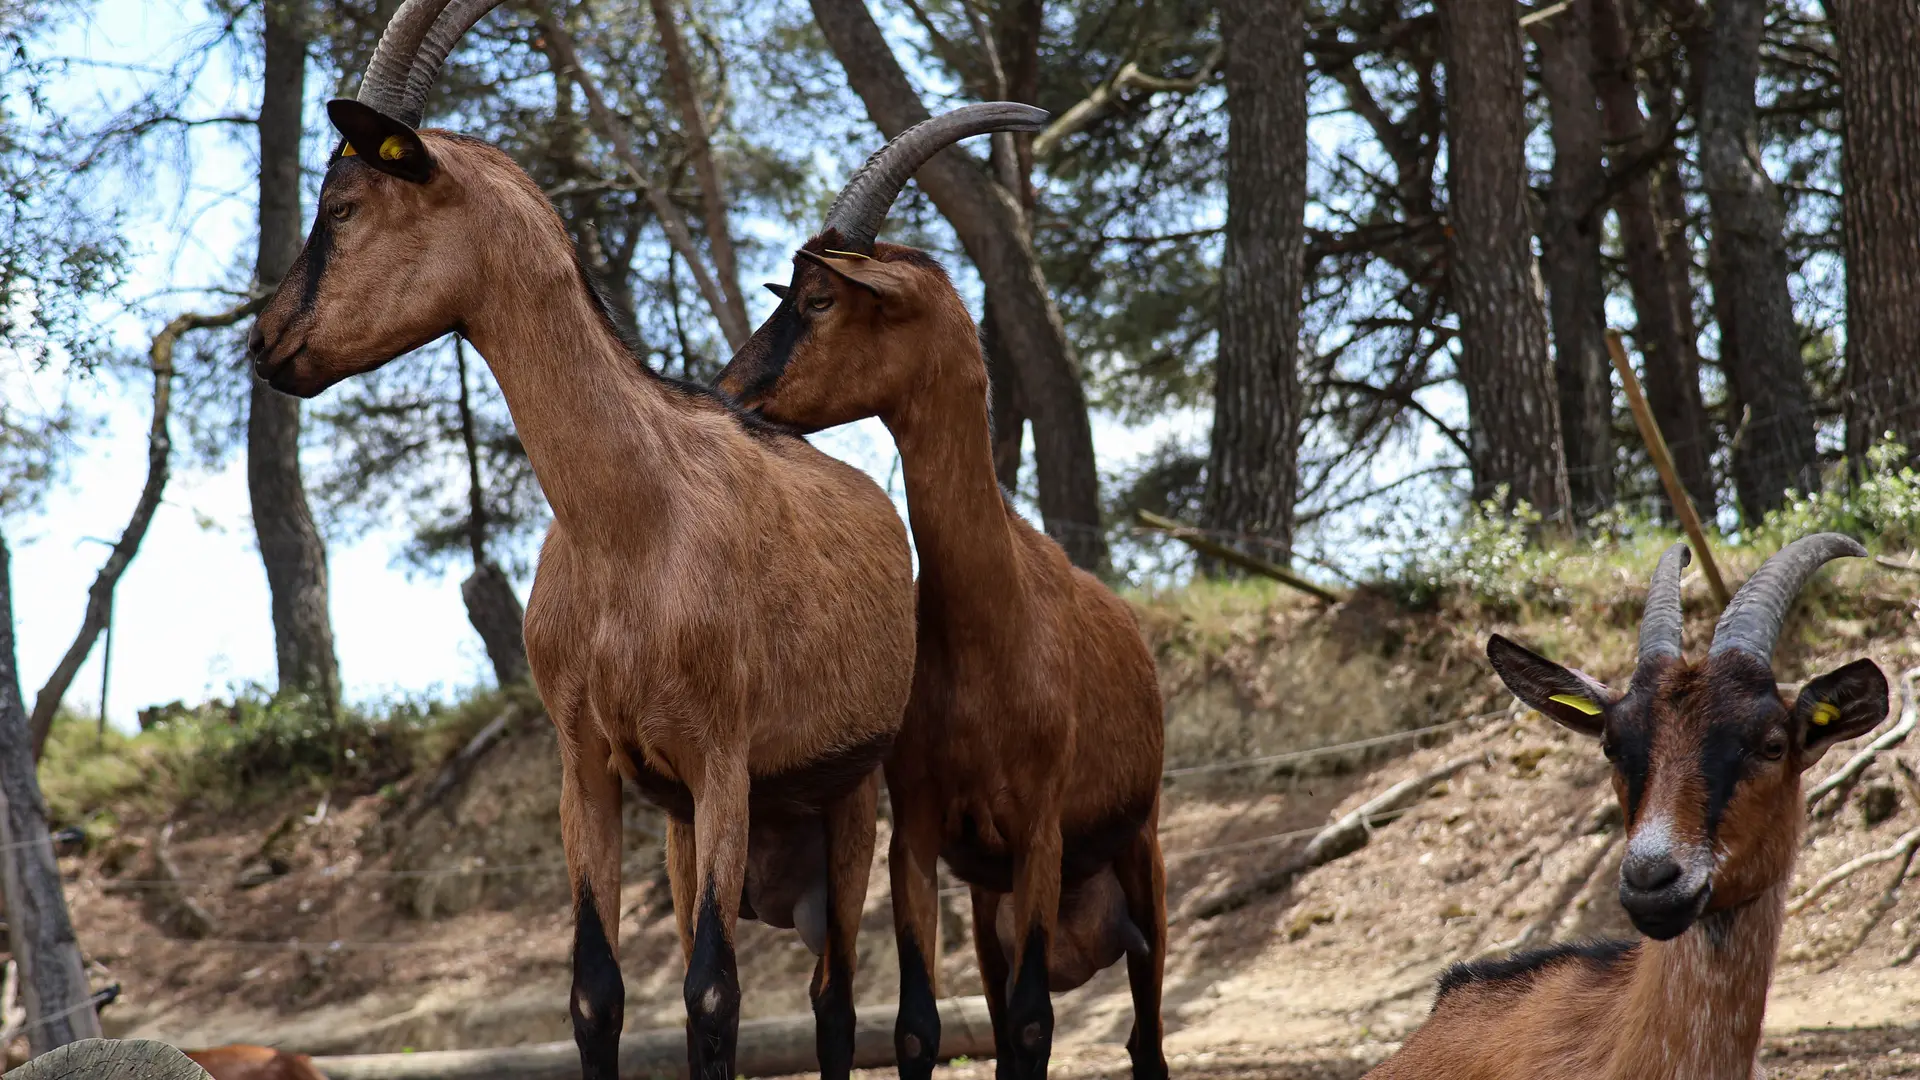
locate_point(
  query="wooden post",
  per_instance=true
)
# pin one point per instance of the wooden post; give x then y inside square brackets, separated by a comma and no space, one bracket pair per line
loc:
[1192,537]
[53,981]
[1663,464]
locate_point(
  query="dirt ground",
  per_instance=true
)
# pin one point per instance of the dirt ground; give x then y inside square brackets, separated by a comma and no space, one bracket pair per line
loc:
[453,931]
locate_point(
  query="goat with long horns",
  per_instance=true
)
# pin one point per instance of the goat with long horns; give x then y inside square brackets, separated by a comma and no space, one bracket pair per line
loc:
[722,614]
[1031,754]
[1707,760]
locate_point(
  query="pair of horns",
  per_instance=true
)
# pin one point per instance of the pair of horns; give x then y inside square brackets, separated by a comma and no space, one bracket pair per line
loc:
[1751,624]
[420,35]
[411,51]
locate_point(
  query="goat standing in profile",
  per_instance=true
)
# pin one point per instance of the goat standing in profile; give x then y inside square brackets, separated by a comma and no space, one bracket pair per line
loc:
[722,614]
[1707,760]
[1030,757]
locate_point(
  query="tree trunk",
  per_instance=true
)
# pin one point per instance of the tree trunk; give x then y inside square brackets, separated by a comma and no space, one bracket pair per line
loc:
[989,223]
[52,977]
[713,196]
[290,545]
[1512,400]
[1665,333]
[492,607]
[1252,477]
[1570,257]
[1759,342]
[1003,403]
[1880,164]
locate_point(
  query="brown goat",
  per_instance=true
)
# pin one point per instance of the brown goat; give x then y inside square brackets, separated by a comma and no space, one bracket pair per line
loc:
[1030,757]
[722,614]
[243,1062]
[1707,760]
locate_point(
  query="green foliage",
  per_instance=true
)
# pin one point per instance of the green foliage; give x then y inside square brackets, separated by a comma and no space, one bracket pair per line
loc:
[1879,507]
[1490,556]
[229,755]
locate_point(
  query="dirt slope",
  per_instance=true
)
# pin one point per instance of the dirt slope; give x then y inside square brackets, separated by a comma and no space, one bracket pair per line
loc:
[453,931]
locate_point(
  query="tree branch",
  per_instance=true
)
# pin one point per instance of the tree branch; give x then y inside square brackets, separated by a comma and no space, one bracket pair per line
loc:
[1083,113]
[713,196]
[159,467]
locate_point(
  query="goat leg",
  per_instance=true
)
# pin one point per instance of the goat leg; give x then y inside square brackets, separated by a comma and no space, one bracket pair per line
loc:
[1036,911]
[996,970]
[1143,878]
[712,985]
[850,836]
[912,859]
[590,831]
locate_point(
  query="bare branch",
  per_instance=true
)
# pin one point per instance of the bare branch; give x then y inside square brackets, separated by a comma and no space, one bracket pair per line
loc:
[1083,113]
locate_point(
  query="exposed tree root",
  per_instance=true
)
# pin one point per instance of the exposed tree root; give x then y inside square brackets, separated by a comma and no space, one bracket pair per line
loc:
[1344,837]
[460,765]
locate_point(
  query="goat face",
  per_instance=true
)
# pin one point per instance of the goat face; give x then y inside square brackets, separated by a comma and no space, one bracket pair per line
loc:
[383,268]
[1706,757]
[842,344]
[1706,764]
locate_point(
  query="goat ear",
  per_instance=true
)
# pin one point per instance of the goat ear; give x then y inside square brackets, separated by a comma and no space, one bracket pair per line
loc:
[1572,699]
[381,141]
[885,280]
[1840,705]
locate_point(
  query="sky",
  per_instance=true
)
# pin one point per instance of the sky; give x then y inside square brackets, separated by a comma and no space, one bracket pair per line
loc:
[191,614]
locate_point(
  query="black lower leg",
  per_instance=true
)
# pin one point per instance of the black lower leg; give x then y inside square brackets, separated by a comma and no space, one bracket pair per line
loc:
[713,996]
[599,1000]
[916,1032]
[1029,1035]
[833,1011]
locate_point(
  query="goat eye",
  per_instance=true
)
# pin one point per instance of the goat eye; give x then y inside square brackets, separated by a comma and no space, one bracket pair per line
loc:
[820,303]
[1774,748]
[340,211]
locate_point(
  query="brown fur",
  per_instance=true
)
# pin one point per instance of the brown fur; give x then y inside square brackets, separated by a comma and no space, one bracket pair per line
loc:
[1031,753]
[242,1062]
[1689,1006]
[716,604]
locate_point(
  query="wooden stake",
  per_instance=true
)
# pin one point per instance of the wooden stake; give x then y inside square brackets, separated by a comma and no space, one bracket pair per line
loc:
[1663,464]
[1192,537]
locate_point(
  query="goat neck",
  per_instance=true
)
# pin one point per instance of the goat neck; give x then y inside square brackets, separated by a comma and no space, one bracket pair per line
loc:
[600,431]
[1694,1005]
[954,503]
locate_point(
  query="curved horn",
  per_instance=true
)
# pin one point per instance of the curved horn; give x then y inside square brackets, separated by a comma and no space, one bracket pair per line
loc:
[446,32]
[863,204]
[1660,622]
[384,86]
[1752,621]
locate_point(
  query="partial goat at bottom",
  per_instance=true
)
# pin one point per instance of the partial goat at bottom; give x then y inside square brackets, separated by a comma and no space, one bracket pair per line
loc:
[1707,760]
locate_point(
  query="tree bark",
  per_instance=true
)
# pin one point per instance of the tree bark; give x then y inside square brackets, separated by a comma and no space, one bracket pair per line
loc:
[492,606]
[1570,256]
[39,933]
[290,545]
[1880,200]
[988,220]
[1512,399]
[1657,274]
[713,196]
[159,467]
[1009,420]
[1252,478]
[1759,342]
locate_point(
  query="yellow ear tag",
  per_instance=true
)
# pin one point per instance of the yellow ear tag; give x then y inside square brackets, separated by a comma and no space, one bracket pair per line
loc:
[393,148]
[1825,713]
[849,254]
[1585,705]
[347,150]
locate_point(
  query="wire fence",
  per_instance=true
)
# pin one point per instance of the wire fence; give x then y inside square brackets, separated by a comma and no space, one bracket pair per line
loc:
[335,875]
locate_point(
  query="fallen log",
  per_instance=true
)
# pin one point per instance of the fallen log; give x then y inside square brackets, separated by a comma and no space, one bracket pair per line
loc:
[776,1046]
[90,1059]
[1344,837]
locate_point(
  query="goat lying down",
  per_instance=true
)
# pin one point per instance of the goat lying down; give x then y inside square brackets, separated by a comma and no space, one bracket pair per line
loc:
[1030,756]
[1707,759]
[722,615]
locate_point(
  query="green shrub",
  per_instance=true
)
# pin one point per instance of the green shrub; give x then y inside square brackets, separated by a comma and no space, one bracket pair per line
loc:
[1880,506]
